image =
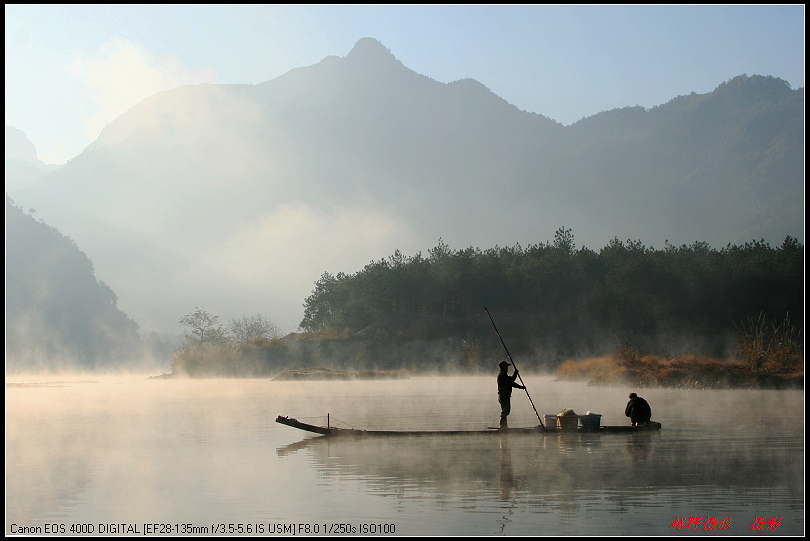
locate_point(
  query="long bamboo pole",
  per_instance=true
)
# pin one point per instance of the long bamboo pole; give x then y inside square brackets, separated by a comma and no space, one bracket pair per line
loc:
[515,367]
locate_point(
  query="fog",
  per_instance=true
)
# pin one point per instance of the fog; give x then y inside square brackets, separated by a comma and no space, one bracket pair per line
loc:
[99,449]
[239,197]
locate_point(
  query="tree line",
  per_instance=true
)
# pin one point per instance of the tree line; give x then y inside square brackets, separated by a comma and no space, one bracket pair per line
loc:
[626,287]
[552,301]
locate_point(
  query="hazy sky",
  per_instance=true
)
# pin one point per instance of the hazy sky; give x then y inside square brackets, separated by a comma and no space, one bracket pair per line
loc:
[71,70]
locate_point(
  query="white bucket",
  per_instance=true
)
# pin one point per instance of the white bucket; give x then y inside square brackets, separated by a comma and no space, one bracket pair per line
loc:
[550,421]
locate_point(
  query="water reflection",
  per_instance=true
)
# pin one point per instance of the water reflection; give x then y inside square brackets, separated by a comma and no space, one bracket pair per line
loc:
[210,450]
[567,472]
[638,447]
[508,484]
[536,463]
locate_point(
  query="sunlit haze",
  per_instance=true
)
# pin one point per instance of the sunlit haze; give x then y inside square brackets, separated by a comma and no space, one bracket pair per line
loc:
[229,156]
[416,270]
[70,70]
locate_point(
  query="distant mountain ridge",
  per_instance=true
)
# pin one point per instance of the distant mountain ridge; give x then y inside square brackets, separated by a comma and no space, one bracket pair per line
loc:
[22,163]
[190,194]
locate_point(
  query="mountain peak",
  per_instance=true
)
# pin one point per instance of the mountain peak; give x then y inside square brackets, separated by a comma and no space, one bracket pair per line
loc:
[369,49]
[19,146]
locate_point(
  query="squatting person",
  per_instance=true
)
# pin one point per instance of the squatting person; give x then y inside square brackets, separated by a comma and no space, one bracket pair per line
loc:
[638,410]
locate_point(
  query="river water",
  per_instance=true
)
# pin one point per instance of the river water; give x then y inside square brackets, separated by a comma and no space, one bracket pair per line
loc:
[127,454]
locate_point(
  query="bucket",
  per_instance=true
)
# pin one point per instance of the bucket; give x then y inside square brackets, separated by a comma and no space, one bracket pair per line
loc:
[550,421]
[568,422]
[592,420]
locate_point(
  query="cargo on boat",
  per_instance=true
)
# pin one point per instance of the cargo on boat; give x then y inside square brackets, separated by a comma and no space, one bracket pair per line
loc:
[353,432]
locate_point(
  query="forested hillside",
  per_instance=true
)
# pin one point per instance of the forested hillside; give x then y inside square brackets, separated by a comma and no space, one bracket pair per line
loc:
[58,315]
[575,300]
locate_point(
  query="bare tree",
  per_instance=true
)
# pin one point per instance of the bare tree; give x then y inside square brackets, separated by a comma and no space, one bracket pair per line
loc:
[252,330]
[204,326]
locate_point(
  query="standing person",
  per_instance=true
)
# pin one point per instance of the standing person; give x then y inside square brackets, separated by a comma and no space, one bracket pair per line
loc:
[505,384]
[638,410]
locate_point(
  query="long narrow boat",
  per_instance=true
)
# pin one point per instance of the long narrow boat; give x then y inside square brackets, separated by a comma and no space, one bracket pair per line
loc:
[353,432]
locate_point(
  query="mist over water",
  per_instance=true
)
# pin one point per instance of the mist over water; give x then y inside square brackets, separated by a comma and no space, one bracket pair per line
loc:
[205,452]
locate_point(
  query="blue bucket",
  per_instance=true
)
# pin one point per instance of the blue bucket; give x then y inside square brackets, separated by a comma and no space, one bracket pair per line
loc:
[594,420]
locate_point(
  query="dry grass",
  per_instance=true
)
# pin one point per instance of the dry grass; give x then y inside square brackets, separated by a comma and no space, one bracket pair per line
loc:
[327,333]
[629,366]
[211,359]
[772,348]
[596,369]
[766,356]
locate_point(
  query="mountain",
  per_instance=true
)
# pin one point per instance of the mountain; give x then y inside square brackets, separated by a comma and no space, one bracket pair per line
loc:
[19,147]
[58,315]
[239,197]
[22,164]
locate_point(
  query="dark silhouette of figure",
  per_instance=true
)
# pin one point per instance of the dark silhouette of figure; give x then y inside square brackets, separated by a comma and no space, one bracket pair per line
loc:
[505,385]
[638,410]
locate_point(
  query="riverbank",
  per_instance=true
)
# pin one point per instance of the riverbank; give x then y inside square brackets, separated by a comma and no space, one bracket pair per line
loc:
[690,371]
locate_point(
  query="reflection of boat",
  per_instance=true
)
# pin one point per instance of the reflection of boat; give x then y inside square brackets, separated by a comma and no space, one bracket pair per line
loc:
[353,432]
